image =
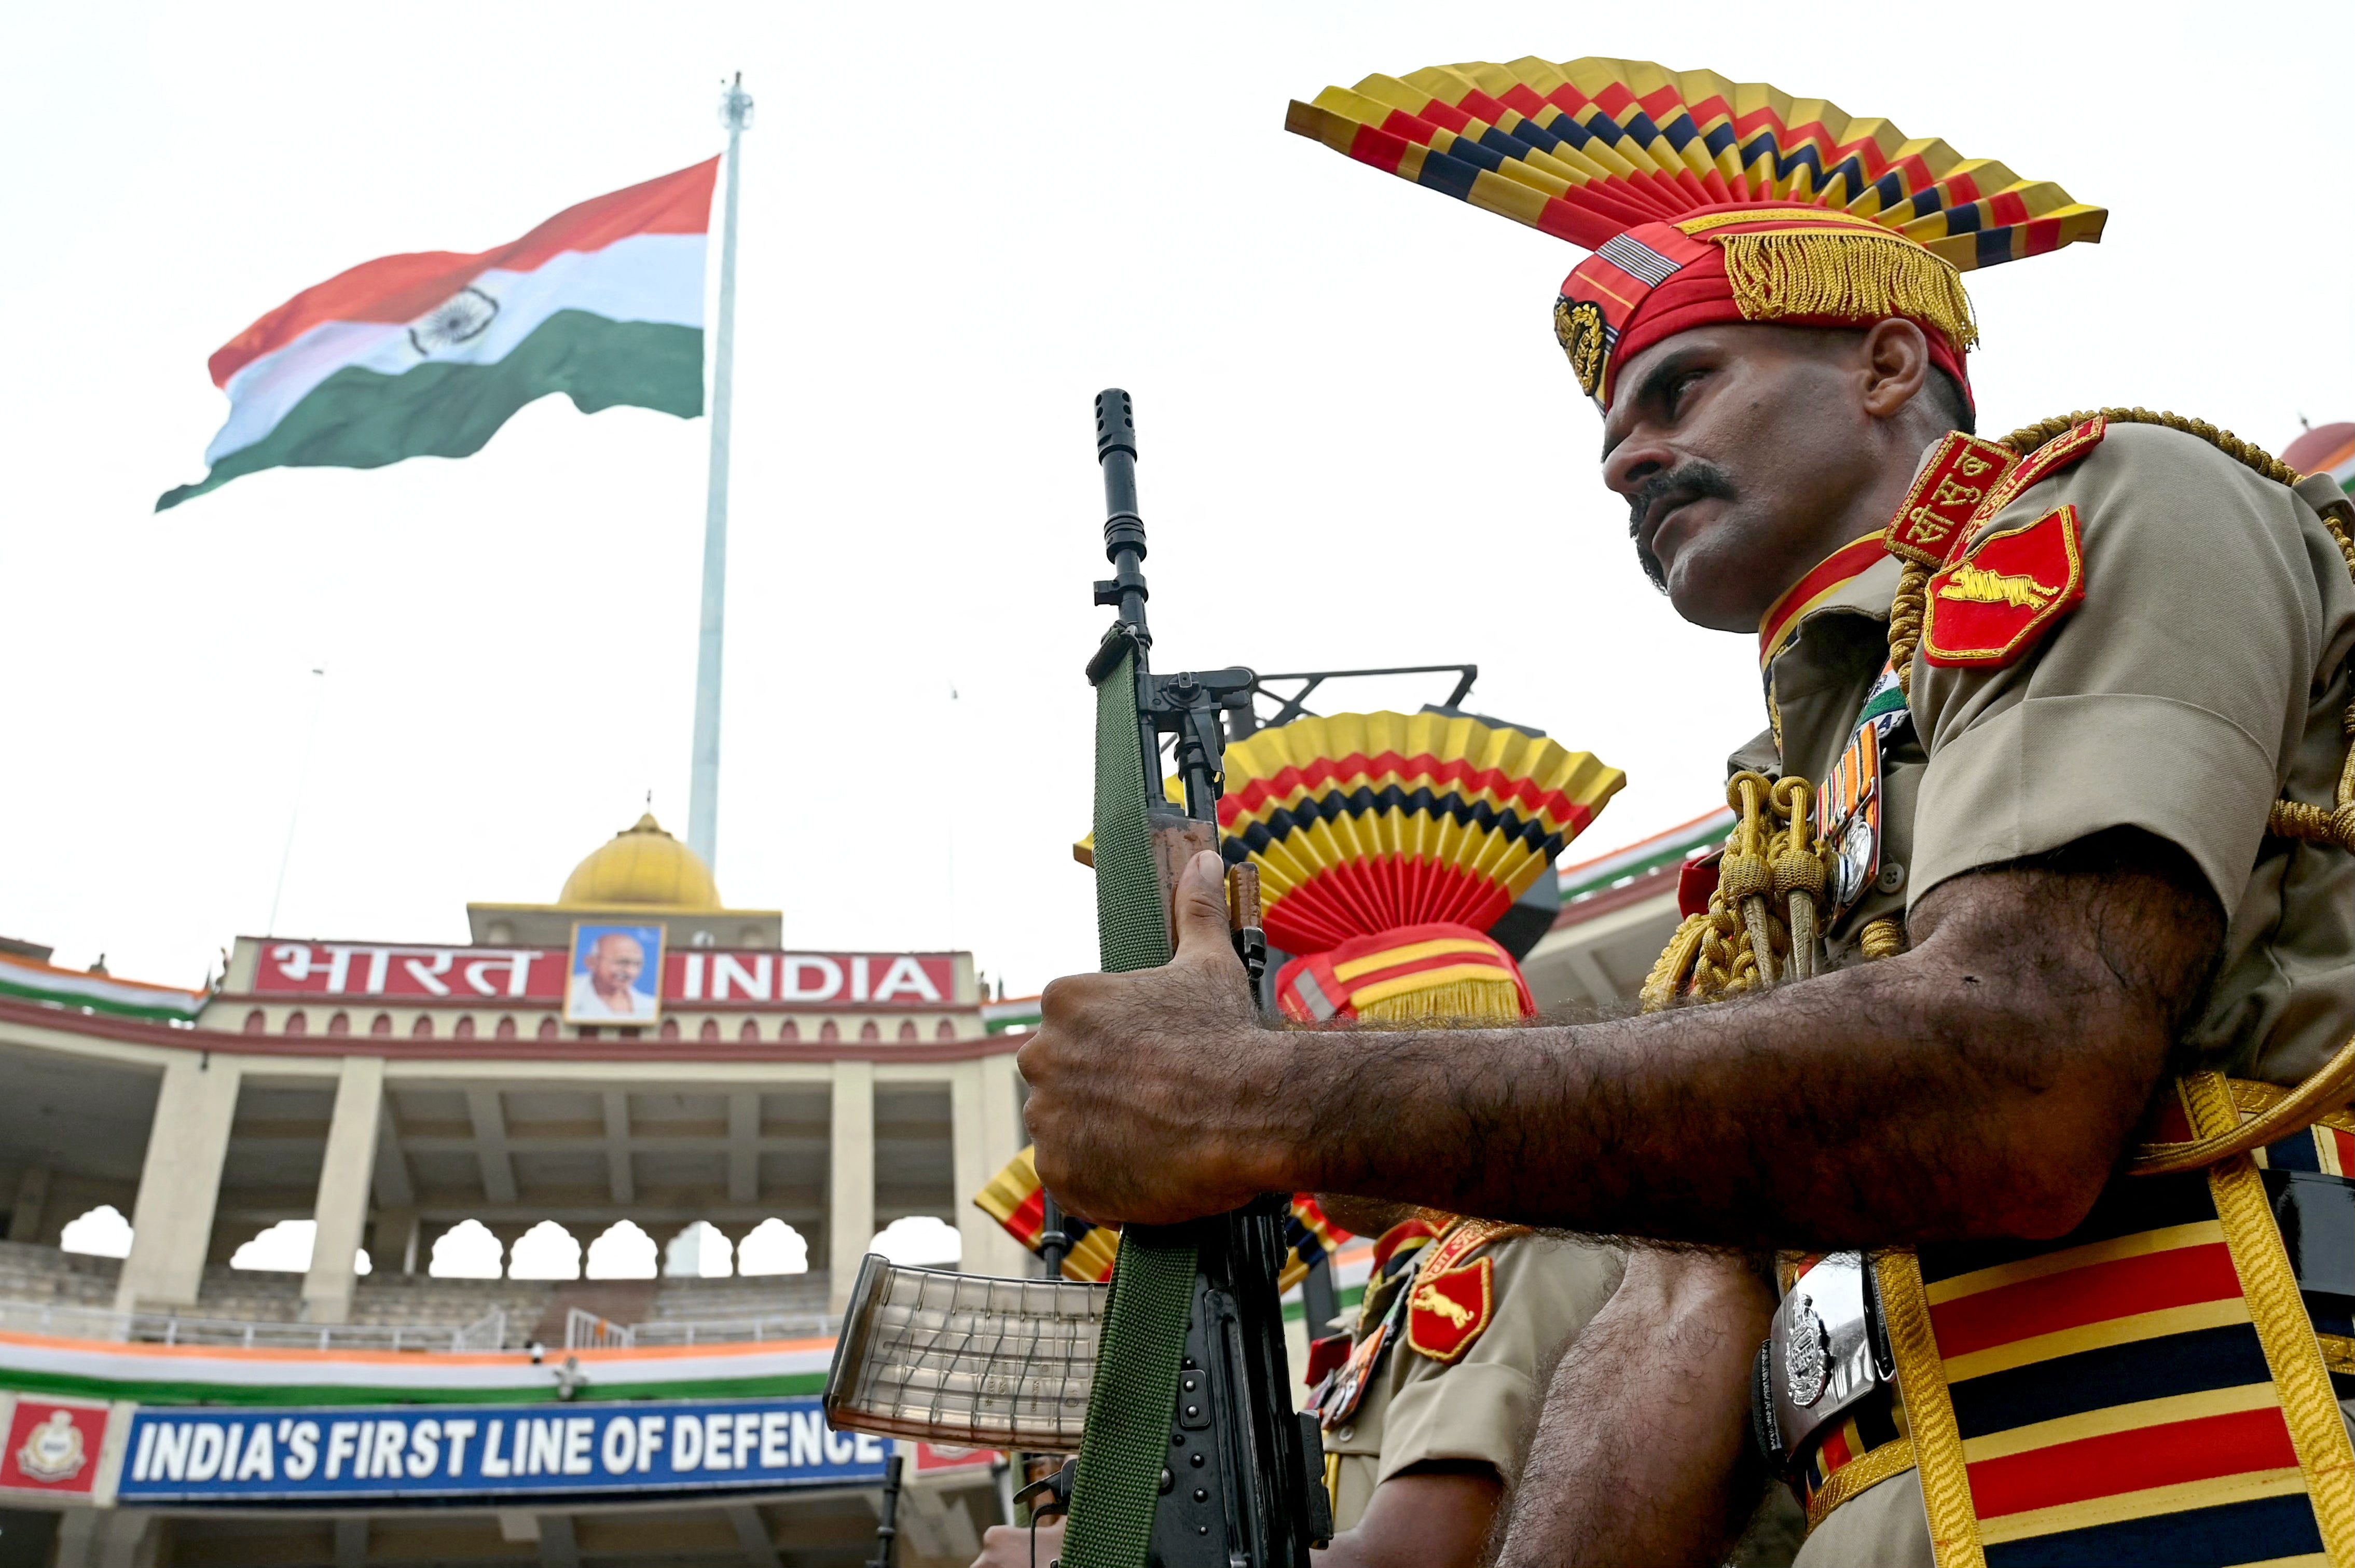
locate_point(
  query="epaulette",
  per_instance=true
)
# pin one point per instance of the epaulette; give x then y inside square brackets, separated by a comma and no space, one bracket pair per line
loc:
[1453,1297]
[2071,445]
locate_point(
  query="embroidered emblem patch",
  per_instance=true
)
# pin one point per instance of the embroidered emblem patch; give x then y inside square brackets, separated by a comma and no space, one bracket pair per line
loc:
[2070,446]
[1450,1309]
[1992,605]
[1928,526]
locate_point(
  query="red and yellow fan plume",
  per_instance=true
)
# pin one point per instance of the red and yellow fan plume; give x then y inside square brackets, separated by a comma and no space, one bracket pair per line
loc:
[1437,974]
[1016,1200]
[1362,823]
[1588,149]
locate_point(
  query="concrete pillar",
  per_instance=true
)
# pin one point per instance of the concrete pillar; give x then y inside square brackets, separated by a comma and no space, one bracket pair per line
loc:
[395,1242]
[559,1548]
[179,1185]
[347,1177]
[850,1179]
[108,1537]
[978,1148]
[32,1202]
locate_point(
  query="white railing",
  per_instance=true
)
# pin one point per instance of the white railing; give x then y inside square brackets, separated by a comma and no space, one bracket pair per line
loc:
[68,1321]
[488,1332]
[585,1330]
[582,1330]
[726,1330]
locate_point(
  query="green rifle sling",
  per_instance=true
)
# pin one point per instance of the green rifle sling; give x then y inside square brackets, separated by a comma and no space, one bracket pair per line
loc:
[1125,1443]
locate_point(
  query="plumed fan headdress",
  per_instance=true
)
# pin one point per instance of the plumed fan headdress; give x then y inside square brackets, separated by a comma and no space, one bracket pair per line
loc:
[1701,199]
[1388,845]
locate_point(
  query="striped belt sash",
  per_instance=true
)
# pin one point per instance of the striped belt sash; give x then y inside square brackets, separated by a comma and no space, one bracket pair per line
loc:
[2154,1387]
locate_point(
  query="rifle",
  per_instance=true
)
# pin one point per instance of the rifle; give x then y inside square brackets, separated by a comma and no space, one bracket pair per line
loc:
[1174,1385]
[1191,1454]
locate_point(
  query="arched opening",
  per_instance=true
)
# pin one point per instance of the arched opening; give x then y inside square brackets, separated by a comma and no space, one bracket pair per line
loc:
[791,1030]
[918,1240]
[699,1252]
[751,1031]
[296,1023]
[549,1029]
[868,1031]
[944,1030]
[383,1024]
[773,1247]
[256,1021]
[283,1248]
[829,1031]
[102,1233]
[466,1030]
[466,1250]
[547,1251]
[710,1030]
[669,1030]
[287,1247]
[340,1024]
[423,1028]
[507,1029]
[622,1252]
[907,1028]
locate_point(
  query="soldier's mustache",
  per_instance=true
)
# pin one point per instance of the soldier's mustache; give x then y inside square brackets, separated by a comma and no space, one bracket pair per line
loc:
[1698,480]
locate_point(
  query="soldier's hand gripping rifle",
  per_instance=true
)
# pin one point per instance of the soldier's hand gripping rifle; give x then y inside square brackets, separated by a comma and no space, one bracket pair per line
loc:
[1192,1452]
[1176,1389]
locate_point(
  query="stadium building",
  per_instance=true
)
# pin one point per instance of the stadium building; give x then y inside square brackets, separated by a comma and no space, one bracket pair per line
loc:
[401,1101]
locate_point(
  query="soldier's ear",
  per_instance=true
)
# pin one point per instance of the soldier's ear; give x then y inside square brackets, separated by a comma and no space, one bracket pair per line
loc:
[1896,364]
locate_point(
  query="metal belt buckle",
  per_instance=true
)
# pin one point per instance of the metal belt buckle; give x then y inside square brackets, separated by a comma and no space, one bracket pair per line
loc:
[1828,1351]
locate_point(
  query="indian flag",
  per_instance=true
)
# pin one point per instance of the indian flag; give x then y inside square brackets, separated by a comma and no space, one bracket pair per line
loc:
[426,355]
[2325,449]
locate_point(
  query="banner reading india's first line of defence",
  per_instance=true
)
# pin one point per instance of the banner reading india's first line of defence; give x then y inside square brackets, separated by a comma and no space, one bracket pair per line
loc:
[426,355]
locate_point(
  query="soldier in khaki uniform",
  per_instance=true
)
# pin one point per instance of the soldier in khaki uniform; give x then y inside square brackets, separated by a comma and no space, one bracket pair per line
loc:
[2031,955]
[1448,1381]
[1427,1421]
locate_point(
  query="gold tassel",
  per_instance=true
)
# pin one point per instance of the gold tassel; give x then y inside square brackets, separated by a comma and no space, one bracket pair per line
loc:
[1854,276]
[1883,939]
[1470,1002]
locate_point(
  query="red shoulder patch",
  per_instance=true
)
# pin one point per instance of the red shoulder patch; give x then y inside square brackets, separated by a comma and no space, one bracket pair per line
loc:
[2070,446]
[1929,524]
[1991,606]
[1450,1309]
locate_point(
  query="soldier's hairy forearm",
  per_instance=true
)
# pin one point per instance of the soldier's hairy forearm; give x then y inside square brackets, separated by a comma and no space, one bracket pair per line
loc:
[1980,1085]
[1642,1451]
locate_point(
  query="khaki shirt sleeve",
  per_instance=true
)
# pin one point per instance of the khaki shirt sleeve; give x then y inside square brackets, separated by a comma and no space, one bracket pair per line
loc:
[1481,1408]
[2172,699]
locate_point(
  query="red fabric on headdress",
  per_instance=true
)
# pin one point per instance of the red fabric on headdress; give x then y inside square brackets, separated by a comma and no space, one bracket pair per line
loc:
[1702,295]
[1657,280]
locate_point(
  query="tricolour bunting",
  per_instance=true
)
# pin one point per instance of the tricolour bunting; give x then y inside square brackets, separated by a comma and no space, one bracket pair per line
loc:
[426,355]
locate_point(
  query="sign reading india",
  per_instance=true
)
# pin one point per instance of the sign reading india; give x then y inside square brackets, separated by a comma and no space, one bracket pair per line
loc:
[539,974]
[460,1451]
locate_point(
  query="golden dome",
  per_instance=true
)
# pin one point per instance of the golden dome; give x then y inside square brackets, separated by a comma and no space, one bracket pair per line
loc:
[642,865]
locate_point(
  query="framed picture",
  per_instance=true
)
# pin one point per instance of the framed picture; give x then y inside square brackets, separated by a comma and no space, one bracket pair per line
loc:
[615,976]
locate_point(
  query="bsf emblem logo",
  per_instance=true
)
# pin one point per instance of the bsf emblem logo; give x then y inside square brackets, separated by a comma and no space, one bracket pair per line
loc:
[1579,329]
[1996,602]
[1450,1309]
[54,1451]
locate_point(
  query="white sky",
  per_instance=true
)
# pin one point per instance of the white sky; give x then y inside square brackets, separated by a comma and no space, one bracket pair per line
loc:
[1360,446]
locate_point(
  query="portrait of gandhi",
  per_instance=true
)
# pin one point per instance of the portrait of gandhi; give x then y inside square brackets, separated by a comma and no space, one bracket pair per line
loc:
[616,973]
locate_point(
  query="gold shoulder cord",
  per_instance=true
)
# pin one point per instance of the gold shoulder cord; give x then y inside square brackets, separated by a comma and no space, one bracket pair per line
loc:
[1765,905]
[1761,927]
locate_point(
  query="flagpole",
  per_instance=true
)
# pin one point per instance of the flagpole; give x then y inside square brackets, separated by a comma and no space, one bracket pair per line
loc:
[703,780]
